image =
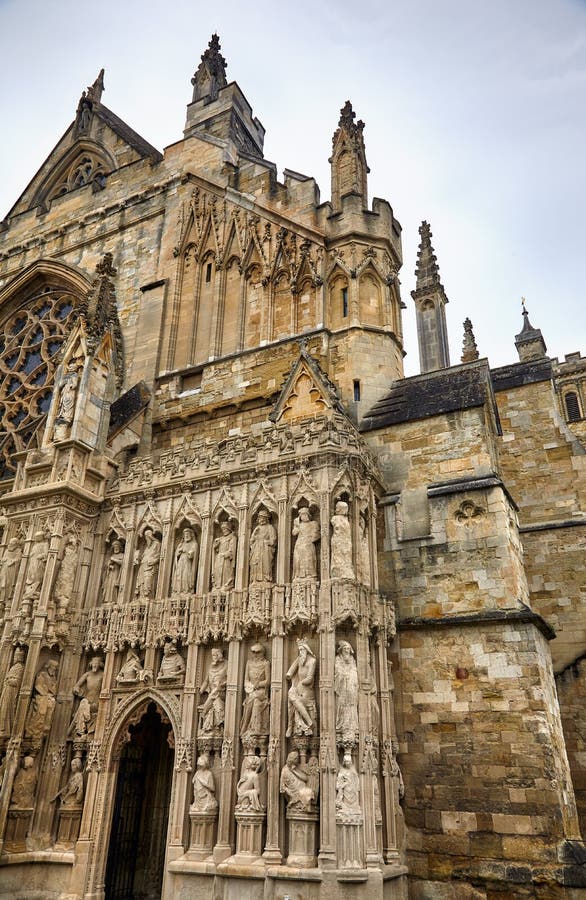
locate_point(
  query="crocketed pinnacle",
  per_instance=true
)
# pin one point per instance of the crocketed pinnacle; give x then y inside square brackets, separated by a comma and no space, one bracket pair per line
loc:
[347,116]
[427,269]
[210,75]
[469,348]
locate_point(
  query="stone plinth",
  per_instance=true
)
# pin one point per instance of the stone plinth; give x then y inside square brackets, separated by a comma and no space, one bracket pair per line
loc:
[203,834]
[249,840]
[349,840]
[302,839]
[17,827]
[68,827]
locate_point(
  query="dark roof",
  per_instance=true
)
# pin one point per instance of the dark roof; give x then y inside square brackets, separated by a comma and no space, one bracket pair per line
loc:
[126,407]
[127,133]
[443,391]
[521,373]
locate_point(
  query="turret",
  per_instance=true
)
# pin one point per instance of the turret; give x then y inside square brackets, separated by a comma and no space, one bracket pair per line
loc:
[348,159]
[529,342]
[430,303]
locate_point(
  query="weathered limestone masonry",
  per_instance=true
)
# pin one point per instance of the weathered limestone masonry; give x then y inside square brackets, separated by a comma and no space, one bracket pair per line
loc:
[275,620]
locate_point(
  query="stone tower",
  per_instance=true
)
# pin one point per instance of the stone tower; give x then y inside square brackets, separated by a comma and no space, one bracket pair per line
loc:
[430,305]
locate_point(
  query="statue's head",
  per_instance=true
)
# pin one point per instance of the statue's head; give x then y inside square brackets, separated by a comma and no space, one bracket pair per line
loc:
[96,663]
[217,654]
[344,649]
[203,761]
[258,650]
[304,514]
[76,764]
[341,508]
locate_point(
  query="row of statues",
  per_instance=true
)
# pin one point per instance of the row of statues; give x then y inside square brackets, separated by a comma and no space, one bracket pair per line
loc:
[262,551]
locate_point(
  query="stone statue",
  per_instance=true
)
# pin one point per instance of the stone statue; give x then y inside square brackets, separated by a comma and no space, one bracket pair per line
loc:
[295,784]
[25,785]
[364,551]
[304,553]
[301,696]
[185,565]
[348,789]
[204,788]
[37,562]
[248,787]
[132,669]
[88,688]
[214,685]
[40,714]
[224,558]
[72,793]
[66,575]
[111,584]
[9,695]
[67,402]
[346,692]
[148,566]
[172,665]
[373,704]
[341,543]
[263,543]
[257,679]
[9,570]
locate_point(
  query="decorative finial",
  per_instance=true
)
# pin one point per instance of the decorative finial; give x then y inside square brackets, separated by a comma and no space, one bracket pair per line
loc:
[89,98]
[95,91]
[469,348]
[210,75]
[100,312]
[347,116]
[427,269]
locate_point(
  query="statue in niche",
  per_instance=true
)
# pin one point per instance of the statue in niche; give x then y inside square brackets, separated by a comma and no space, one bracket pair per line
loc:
[364,551]
[9,695]
[185,564]
[224,558]
[341,543]
[373,703]
[204,788]
[88,688]
[214,685]
[132,669]
[172,666]
[9,570]
[111,584]
[72,793]
[37,562]
[66,575]
[40,714]
[296,784]
[25,785]
[67,402]
[257,679]
[263,543]
[248,787]
[346,692]
[148,566]
[348,788]
[301,697]
[304,553]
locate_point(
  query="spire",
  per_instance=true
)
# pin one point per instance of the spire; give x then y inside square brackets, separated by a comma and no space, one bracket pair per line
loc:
[469,348]
[89,99]
[210,75]
[430,306]
[348,159]
[427,269]
[529,342]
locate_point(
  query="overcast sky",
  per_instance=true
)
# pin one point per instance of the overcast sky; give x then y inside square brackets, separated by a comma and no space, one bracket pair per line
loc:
[474,111]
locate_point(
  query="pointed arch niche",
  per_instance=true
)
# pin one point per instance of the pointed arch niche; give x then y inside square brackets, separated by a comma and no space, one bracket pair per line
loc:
[231,308]
[253,307]
[37,311]
[339,299]
[370,298]
[203,338]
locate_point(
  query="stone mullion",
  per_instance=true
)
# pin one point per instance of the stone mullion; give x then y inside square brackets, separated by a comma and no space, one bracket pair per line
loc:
[196,305]
[241,314]
[217,318]
[241,554]
[203,569]
[163,588]
[223,847]
[183,777]
[272,852]
[327,711]
[367,745]
[267,312]
[389,796]
[126,576]
[354,300]
[372,549]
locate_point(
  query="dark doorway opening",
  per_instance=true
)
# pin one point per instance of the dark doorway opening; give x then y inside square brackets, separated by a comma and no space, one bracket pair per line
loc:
[138,838]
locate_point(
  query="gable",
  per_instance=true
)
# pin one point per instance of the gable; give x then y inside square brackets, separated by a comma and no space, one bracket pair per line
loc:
[307,392]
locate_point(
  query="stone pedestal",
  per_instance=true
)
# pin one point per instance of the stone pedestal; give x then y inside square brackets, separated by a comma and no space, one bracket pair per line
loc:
[349,840]
[302,839]
[203,834]
[17,827]
[68,827]
[249,838]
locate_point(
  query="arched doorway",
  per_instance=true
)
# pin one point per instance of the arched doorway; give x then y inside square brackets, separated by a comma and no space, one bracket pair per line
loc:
[138,837]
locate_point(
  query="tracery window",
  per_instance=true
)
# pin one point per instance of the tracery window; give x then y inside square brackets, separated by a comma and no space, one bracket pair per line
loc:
[85,169]
[30,340]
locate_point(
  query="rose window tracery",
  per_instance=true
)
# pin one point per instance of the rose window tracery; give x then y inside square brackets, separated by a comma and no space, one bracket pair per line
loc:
[30,340]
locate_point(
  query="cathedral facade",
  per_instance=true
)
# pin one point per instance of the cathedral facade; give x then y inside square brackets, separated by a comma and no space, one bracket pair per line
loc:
[276,621]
